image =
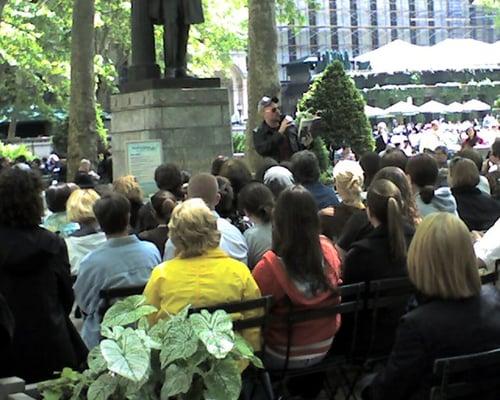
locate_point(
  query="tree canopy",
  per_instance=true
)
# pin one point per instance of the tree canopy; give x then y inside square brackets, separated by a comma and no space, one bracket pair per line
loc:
[35,47]
[34,57]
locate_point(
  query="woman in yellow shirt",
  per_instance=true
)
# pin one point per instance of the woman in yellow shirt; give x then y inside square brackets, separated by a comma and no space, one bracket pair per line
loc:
[201,274]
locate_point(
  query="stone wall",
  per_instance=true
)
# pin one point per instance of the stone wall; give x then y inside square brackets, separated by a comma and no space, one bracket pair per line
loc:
[193,124]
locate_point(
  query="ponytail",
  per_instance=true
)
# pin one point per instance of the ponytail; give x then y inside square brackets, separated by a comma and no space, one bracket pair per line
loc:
[385,203]
[427,194]
[397,241]
[163,203]
[423,170]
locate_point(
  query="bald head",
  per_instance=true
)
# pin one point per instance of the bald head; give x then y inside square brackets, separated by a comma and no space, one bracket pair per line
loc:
[205,187]
[84,165]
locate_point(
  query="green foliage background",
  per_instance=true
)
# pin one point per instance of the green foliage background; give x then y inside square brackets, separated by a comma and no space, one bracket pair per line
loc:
[238,142]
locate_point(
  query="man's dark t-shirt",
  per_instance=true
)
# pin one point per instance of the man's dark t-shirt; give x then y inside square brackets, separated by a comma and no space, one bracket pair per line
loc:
[268,142]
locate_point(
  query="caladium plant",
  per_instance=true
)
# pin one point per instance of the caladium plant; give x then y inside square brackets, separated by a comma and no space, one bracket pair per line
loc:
[196,356]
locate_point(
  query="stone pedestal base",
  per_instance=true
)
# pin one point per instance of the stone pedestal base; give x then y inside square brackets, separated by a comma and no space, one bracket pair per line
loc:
[169,83]
[193,125]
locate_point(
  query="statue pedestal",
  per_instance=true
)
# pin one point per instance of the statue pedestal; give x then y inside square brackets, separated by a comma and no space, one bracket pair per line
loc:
[193,125]
[169,83]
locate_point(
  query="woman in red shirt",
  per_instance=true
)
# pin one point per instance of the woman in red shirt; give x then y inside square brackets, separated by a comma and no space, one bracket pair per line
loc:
[302,269]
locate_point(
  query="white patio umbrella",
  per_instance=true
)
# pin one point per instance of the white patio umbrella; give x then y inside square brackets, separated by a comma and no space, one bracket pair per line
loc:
[476,105]
[374,111]
[433,107]
[397,55]
[402,107]
[455,107]
[449,54]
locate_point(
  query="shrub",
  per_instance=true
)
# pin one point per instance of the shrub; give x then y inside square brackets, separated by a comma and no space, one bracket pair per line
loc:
[318,147]
[341,106]
[239,142]
[12,151]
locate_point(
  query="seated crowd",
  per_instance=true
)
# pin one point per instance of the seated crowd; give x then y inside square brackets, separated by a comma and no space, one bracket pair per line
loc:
[224,236]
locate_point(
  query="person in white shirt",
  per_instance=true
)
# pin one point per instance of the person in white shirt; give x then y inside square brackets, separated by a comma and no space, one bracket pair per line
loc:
[430,138]
[487,247]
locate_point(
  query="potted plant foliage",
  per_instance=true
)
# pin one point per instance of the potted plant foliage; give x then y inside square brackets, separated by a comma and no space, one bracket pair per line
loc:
[195,356]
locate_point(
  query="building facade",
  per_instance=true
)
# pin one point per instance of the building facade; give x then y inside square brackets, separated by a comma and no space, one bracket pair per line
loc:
[359,26]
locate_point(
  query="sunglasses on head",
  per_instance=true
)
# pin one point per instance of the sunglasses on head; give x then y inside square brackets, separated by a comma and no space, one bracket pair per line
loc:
[267,101]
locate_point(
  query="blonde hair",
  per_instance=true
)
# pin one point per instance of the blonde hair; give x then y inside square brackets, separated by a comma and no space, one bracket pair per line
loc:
[128,186]
[348,176]
[193,228]
[79,207]
[441,260]
[463,173]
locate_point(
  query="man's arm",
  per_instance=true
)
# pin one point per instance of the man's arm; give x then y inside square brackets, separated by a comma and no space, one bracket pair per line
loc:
[487,247]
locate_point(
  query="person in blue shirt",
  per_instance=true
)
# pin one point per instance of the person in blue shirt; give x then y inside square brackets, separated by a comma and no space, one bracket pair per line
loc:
[123,260]
[305,169]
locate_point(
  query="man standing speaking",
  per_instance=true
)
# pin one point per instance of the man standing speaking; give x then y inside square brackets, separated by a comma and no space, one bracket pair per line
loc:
[277,136]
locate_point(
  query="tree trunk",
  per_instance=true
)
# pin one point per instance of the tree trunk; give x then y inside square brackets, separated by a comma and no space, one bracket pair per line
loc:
[82,139]
[2,5]
[11,133]
[263,79]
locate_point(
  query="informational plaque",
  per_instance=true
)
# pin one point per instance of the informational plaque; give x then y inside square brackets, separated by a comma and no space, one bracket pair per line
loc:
[143,156]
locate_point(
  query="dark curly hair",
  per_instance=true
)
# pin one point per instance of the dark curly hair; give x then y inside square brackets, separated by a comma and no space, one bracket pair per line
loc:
[169,177]
[21,204]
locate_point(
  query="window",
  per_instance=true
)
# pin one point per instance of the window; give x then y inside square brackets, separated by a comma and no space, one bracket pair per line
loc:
[334,33]
[354,27]
[430,16]
[292,44]
[473,20]
[394,19]
[313,30]
[374,23]
[413,22]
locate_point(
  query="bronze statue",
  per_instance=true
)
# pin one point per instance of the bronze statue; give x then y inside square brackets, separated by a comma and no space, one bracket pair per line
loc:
[176,16]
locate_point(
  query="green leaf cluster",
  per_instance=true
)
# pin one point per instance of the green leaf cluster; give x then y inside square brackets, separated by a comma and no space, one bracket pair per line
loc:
[318,147]
[186,356]
[12,151]
[239,142]
[34,56]
[334,95]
